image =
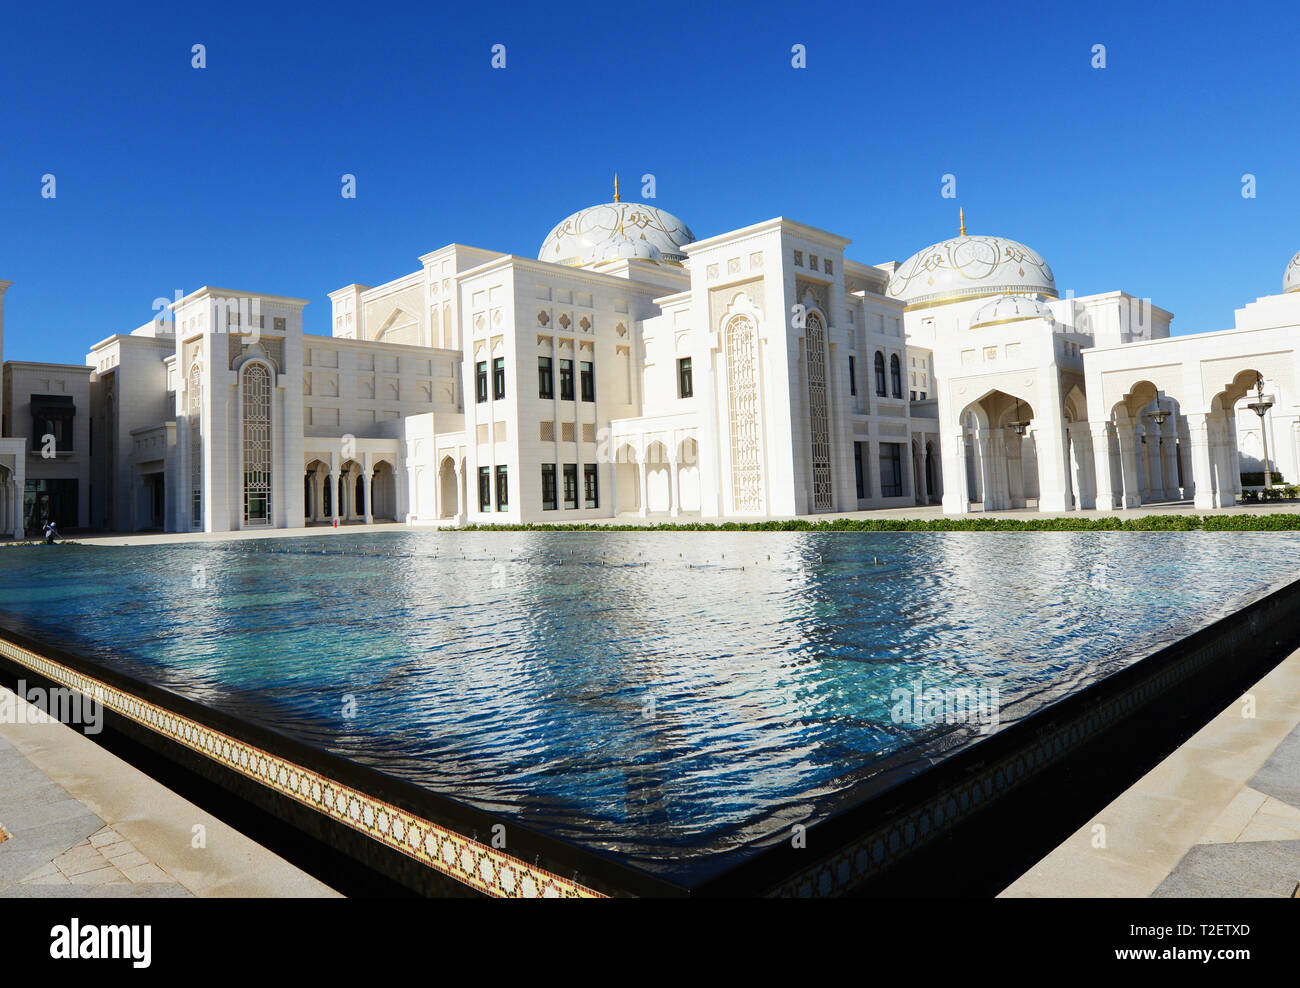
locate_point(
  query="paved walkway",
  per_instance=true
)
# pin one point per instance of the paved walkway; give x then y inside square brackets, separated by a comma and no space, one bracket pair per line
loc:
[1220,817]
[926,512]
[77,821]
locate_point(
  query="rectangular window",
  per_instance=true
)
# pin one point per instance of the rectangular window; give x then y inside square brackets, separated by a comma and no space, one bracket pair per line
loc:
[570,485]
[857,470]
[566,380]
[685,385]
[590,486]
[587,379]
[891,470]
[548,487]
[485,488]
[913,394]
[503,489]
[545,381]
[853,376]
[480,381]
[498,378]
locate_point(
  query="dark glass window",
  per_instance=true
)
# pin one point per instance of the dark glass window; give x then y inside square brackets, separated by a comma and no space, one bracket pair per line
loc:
[685,385]
[591,486]
[857,470]
[52,415]
[891,470]
[498,378]
[485,488]
[853,376]
[570,485]
[503,489]
[880,373]
[566,380]
[895,376]
[548,487]
[545,379]
[588,381]
[480,381]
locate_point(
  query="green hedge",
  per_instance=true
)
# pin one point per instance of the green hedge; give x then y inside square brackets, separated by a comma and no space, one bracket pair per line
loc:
[1146,523]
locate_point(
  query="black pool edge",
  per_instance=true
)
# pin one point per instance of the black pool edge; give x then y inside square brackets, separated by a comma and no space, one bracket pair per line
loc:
[229,792]
[981,817]
[967,826]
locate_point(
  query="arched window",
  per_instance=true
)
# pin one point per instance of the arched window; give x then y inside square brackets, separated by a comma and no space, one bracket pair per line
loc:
[257,444]
[880,373]
[360,494]
[895,376]
[195,414]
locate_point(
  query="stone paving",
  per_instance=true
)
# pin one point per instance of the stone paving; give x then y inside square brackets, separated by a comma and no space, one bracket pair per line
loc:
[1219,817]
[58,847]
[80,822]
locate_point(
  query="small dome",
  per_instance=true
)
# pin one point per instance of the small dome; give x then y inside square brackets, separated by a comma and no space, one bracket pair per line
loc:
[1291,277]
[970,267]
[575,236]
[617,248]
[1011,308]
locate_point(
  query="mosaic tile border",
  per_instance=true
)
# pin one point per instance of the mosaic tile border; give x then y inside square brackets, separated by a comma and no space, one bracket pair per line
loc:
[472,863]
[869,855]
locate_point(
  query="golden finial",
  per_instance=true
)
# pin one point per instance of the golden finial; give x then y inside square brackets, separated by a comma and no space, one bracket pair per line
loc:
[616,198]
[961,218]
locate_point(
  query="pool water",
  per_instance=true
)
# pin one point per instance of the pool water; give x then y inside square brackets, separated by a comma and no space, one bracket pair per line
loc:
[668,699]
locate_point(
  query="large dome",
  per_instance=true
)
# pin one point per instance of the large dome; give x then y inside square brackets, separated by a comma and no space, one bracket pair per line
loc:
[1291,277]
[573,239]
[970,267]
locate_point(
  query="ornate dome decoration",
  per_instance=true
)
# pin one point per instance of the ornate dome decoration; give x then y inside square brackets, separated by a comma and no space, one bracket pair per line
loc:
[1011,308]
[620,247]
[968,267]
[574,238]
[1291,278]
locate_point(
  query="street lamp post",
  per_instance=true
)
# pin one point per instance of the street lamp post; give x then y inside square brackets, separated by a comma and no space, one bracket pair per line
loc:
[1260,407]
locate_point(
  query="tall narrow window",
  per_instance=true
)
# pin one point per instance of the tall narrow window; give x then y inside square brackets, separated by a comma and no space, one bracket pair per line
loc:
[480,381]
[545,379]
[195,414]
[503,489]
[895,376]
[819,447]
[590,486]
[857,470]
[570,485]
[566,380]
[498,378]
[685,386]
[880,374]
[485,488]
[257,444]
[891,470]
[588,381]
[853,376]
[548,487]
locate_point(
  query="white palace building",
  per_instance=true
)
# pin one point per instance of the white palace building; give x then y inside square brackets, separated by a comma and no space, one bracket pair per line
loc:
[633,370]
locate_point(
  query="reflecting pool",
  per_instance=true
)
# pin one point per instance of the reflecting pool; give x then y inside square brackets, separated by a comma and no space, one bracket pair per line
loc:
[665,698]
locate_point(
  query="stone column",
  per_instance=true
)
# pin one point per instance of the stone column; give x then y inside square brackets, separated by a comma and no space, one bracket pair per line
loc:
[924,494]
[1155,475]
[955,482]
[1085,496]
[984,453]
[1105,483]
[1198,432]
[644,479]
[674,489]
[369,476]
[1053,465]
[332,479]
[460,493]
[1169,457]
[1127,435]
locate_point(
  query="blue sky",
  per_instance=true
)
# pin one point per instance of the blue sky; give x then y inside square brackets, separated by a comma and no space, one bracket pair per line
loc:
[168,177]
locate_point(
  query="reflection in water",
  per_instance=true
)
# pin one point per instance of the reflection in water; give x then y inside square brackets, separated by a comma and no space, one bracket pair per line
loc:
[663,697]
